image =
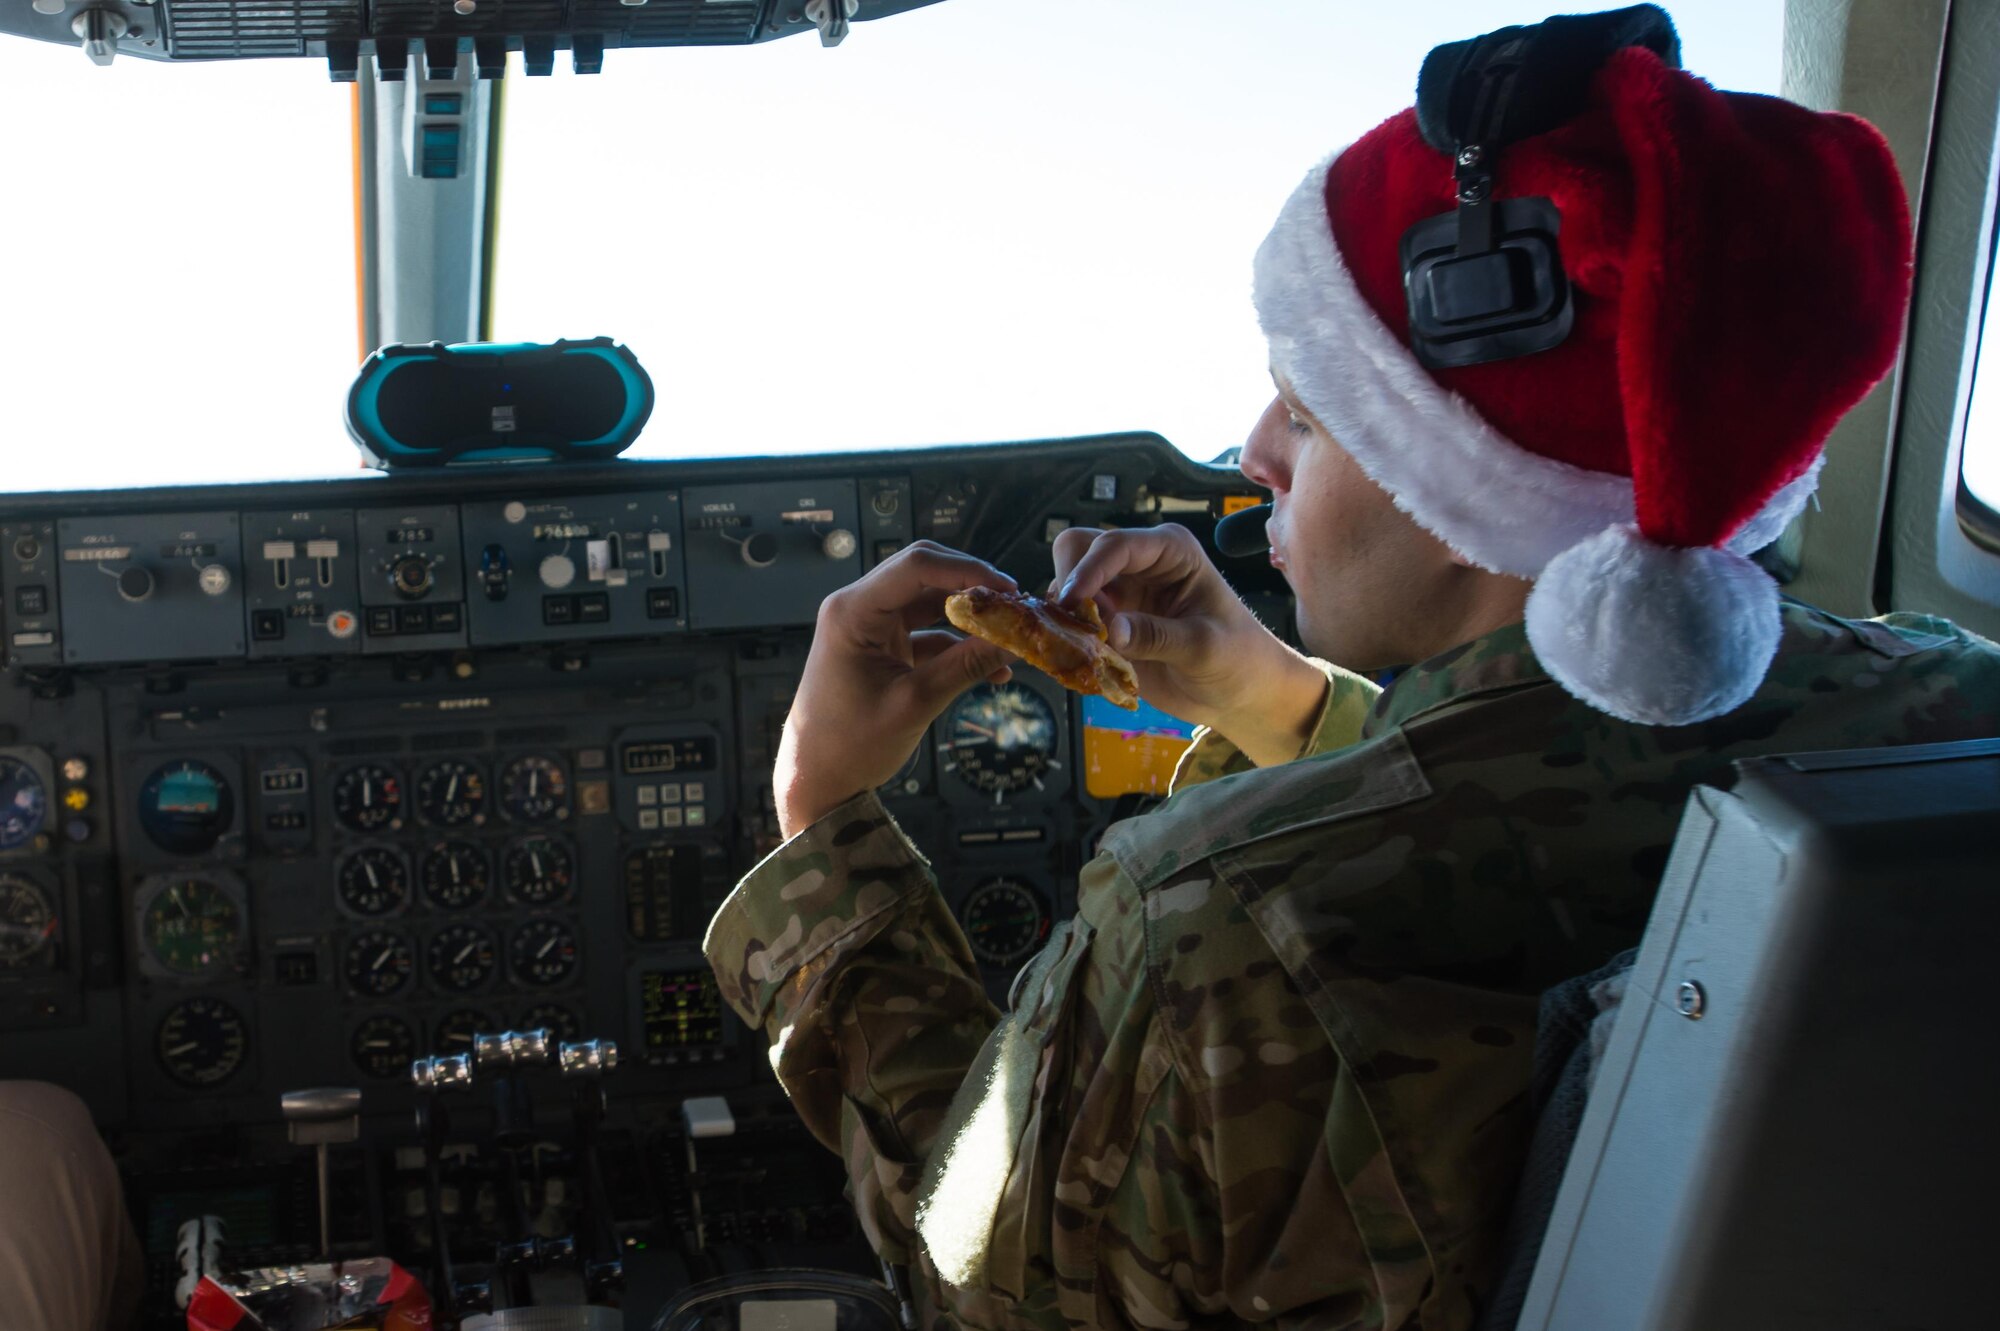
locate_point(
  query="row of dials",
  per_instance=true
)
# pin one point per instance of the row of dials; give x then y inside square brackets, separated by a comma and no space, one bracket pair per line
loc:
[203,1041]
[186,805]
[193,928]
[369,797]
[375,880]
[541,953]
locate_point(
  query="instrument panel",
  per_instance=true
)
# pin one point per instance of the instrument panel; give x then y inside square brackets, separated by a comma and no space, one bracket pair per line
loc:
[301,782]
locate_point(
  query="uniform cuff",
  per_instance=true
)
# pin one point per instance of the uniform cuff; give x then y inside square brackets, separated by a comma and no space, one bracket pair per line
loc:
[1341,716]
[846,875]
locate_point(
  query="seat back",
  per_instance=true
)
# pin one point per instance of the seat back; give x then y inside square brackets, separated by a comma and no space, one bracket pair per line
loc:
[1793,1122]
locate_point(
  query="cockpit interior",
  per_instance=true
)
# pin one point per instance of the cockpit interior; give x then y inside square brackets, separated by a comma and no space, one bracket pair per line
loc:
[361,818]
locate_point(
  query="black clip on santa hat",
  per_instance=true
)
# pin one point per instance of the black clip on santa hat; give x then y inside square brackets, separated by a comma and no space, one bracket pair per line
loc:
[1590,321]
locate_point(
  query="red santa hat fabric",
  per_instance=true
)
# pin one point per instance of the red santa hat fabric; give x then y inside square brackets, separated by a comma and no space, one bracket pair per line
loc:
[1740,268]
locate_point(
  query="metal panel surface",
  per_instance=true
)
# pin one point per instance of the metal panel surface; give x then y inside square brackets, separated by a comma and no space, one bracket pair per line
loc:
[1791,1127]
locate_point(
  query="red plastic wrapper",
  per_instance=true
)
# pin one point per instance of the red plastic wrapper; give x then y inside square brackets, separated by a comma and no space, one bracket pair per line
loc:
[372,1295]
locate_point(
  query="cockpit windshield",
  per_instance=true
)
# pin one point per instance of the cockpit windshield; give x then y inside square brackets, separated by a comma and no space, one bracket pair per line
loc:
[984,220]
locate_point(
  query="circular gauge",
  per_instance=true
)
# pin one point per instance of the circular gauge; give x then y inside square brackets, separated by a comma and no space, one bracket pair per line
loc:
[374,882]
[191,926]
[24,803]
[383,1046]
[538,870]
[534,790]
[455,875]
[379,963]
[455,1029]
[1005,921]
[461,957]
[554,1018]
[542,953]
[186,806]
[27,921]
[451,794]
[1000,738]
[368,798]
[202,1041]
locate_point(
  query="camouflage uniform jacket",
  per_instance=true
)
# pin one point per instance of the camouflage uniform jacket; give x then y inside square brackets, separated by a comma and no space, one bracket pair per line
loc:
[1275,1069]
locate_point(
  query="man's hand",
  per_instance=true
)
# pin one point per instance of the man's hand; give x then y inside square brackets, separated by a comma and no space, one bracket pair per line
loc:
[877,677]
[1199,652]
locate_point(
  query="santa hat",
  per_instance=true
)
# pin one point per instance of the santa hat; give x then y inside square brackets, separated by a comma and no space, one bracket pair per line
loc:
[1738,268]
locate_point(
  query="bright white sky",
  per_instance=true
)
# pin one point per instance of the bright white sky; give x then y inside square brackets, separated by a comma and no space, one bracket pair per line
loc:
[986,220]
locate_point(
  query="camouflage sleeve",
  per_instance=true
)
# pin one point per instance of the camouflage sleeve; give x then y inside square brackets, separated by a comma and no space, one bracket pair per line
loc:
[841,950]
[1075,1162]
[1348,698]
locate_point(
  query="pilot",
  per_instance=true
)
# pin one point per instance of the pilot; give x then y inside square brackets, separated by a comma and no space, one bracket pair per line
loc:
[1276,1068]
[69,1259]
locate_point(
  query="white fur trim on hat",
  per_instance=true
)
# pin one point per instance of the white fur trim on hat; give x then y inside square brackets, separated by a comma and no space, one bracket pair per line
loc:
[1656,634]
[1494,502]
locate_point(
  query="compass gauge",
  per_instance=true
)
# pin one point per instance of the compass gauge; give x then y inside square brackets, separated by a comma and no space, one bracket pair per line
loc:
[1005,921]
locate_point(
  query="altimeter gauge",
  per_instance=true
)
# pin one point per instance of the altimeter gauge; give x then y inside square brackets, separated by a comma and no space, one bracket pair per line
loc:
[1000,739]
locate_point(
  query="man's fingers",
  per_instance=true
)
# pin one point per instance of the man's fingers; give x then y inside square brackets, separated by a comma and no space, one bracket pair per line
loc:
[1071,543]
[1164,550]
[1152,638]
[907,590]
[942,674]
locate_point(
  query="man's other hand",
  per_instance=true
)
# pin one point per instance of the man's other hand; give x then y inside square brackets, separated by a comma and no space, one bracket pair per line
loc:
[1199,652]
[877,677]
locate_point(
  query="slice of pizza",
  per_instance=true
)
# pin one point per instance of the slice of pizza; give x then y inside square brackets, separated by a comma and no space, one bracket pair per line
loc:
[1068,644]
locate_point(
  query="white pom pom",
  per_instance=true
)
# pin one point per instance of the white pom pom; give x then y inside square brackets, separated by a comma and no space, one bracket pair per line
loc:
[1652,633]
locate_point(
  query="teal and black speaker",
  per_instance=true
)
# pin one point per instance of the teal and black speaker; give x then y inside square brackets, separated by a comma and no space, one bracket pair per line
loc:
[429,405]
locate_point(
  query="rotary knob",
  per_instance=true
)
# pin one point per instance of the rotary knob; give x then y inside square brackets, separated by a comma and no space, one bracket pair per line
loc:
[760,549]
[214,579]
[135,583]
[410,576]
[558,572]
[839,544]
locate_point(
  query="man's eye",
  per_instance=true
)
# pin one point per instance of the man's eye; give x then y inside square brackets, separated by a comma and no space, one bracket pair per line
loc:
[1298,424]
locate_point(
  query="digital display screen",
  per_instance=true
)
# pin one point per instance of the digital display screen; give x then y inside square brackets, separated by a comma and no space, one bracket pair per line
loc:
[564,531]
[696,753]
[188,550]
[722,521]
[680,1009]
[285,781]
[410,536]
[1130,753]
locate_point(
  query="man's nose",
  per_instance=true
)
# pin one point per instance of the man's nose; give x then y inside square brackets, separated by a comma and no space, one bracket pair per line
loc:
[1261,460]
